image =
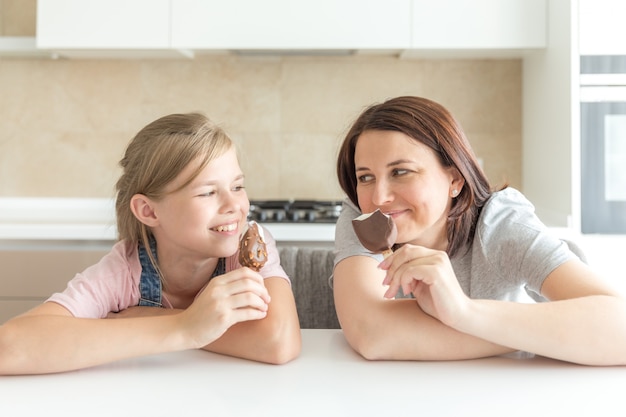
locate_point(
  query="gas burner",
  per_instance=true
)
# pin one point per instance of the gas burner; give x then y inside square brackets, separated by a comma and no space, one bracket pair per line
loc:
[294,211]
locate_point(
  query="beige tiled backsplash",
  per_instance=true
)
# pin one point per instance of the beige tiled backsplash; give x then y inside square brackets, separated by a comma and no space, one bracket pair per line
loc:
[65,123]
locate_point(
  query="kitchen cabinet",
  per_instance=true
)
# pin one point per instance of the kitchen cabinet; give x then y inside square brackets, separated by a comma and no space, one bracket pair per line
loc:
[78,28]
[478,25]
[30,276]
[288,24]
[601,27]
[140,28]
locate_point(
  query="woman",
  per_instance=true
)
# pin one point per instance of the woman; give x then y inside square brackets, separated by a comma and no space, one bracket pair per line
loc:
[172,281]
[465,253]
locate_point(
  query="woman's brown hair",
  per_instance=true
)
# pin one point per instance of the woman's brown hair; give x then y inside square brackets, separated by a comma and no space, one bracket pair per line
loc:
[433,125]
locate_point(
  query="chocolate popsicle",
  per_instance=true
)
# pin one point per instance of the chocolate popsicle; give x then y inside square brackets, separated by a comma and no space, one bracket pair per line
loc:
[376,231]
[252,248]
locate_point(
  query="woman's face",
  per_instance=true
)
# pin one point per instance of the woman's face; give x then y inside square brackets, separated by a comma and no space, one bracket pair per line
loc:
[205,217]
[404,179]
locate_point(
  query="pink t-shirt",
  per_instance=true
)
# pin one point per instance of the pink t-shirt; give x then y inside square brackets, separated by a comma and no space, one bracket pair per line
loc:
[113,283]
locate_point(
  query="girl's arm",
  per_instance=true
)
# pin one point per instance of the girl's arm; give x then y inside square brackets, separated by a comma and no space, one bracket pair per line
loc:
[49,339]
[397,329]
[274,339]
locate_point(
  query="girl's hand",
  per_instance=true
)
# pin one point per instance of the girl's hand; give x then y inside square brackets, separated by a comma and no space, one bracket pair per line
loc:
[428,275]
[237,296]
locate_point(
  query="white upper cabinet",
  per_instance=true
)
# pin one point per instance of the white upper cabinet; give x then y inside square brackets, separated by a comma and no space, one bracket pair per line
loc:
[140,28]
[479,24]
[602,27]
[86,27]
[291,24]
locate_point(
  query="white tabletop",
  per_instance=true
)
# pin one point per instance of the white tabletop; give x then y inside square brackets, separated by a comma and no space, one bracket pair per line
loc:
[328,379]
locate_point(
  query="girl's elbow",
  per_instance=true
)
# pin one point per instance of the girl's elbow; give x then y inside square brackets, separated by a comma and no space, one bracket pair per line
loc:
[10,355]
[284,352]
[284,342]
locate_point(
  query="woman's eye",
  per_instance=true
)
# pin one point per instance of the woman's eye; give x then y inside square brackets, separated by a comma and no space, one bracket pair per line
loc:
[365,178]
[239,187]
[398,172]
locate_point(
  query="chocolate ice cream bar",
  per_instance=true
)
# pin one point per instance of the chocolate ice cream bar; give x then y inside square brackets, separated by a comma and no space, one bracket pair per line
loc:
[252,248]
[376,231]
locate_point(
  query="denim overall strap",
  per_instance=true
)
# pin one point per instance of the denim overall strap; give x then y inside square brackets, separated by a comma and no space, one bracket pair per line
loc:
[150,282]
[220,269]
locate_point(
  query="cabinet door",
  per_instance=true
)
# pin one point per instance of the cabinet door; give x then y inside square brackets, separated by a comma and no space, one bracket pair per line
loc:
[479,24]
[289,24]
[601,27]
[103,24]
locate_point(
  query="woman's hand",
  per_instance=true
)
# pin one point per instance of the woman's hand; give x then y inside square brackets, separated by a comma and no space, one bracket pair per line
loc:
[428,275]
[237,296]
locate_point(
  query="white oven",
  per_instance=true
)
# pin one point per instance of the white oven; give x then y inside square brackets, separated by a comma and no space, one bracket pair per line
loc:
[603,144]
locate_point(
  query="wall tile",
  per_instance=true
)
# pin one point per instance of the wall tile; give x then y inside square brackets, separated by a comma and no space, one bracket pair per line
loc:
[66,122]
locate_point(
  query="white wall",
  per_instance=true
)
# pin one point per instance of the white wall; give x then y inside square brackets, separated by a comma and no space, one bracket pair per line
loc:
[550,160]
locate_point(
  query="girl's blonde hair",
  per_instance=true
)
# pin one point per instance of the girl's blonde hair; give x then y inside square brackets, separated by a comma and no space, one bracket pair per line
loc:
[155,157]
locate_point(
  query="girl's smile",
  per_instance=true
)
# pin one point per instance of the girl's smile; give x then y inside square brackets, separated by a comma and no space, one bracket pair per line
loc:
[232,227]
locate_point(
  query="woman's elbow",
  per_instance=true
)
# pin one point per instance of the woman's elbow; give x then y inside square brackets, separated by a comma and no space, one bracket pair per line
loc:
[364,340]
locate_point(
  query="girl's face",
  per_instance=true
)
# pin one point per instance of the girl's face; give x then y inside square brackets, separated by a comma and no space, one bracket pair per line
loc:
[205,217]
[404,179]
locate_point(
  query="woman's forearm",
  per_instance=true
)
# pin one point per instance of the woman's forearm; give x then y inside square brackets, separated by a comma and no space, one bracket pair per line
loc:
[588,330]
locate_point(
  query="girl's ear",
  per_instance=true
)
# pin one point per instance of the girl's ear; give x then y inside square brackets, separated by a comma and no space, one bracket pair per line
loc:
[142,208]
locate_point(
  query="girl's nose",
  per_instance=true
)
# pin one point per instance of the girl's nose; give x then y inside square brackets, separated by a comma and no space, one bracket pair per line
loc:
[230,203]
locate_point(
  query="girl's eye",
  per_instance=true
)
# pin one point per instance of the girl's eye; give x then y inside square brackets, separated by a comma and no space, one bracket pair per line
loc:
[239,187]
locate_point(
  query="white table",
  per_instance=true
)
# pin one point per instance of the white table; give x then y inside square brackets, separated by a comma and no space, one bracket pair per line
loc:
[328,379]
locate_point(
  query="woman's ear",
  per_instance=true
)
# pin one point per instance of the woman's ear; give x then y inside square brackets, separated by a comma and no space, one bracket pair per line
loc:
[457,183]
[143,209]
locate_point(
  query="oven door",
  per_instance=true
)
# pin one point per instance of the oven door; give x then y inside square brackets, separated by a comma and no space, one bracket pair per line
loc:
[603,160]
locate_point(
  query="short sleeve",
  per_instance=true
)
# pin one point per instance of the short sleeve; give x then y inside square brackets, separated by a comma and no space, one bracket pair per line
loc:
[111,285]
[516,243]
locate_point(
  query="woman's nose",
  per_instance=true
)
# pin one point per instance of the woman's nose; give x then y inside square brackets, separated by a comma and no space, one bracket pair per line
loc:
[382,194]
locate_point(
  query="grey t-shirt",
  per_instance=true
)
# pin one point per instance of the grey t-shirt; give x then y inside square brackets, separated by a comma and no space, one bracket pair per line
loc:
[511,255]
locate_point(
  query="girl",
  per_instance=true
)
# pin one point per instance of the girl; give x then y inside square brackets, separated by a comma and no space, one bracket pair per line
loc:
[464,253]
[172,281]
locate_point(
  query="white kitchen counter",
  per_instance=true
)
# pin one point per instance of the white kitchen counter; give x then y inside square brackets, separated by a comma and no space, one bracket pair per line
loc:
[328,379]
[58,221]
